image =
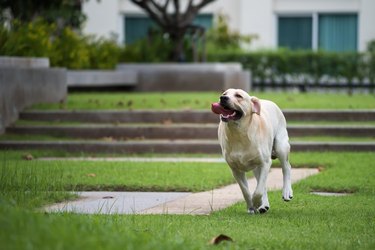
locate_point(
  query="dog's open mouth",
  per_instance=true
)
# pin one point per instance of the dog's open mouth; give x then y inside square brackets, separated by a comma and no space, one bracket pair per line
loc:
[226,113]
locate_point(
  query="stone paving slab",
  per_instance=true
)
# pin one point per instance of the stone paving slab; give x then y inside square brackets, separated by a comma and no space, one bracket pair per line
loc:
[115,202]
[202,203]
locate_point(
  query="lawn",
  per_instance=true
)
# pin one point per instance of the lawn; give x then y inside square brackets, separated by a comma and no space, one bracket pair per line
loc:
[307,222]
[203,100]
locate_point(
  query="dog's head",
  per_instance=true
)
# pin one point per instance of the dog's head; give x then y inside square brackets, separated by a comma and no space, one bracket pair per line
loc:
[235,104]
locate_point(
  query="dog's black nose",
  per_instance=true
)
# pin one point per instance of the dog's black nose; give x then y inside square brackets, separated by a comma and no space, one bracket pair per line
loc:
[224,98]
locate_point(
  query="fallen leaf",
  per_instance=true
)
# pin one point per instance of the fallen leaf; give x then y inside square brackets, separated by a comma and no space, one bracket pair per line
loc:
[91,175]
[107,138]
[167,122]
[220,238]
[321,169]
[27,157]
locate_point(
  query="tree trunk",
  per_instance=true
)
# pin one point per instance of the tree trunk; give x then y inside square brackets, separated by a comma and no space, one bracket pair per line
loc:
[177,52]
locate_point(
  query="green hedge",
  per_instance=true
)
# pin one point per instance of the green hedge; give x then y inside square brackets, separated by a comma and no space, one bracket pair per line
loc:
[64,48]
[67,48]
[285,66]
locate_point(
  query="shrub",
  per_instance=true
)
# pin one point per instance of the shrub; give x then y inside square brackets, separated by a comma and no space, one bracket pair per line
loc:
[65,48]
[301,66]
[31,39]
[104,53]
[70,50]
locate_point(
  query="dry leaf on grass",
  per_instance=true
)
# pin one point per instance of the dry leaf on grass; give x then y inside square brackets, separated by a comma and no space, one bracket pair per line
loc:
[27,157]
[220,238]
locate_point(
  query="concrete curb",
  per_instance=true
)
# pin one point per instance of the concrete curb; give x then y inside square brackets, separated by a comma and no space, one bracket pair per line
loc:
[170,146]
[175,131]
[186,116]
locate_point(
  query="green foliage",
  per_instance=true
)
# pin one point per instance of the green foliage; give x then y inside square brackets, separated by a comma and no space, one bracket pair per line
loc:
[65,48]
[220,38]
[155,48]
[31,39]
[310,66]
[66,12]
[70,50]
[104,53]
[371,60]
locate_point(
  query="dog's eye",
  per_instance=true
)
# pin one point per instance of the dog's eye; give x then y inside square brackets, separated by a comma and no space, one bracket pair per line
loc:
[238,96]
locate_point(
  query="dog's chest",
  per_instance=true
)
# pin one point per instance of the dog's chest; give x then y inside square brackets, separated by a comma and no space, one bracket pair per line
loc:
[243,161]
[242,155]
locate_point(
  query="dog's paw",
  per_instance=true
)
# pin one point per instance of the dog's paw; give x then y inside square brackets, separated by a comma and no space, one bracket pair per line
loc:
[251,211]
[287,194]
[264,209]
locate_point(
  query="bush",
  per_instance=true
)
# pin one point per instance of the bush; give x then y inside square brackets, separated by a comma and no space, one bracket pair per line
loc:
[31,39]
[104,53]
[286,66]
[65,48]
[70,50]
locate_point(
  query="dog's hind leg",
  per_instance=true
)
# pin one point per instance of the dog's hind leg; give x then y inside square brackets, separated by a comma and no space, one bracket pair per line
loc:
[242,182]
[282,148]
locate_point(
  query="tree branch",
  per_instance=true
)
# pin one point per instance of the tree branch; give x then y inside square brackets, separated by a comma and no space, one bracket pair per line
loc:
[177,8]
[149,7]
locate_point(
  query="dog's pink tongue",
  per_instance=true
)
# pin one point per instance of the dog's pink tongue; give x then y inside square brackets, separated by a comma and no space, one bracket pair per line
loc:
[218,109]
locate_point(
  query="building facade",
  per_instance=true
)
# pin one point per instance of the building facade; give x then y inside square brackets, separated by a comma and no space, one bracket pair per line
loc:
[332,25]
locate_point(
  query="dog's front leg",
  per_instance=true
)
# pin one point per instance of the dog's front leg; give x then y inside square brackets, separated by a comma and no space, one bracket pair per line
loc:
[242,182]
[260,199]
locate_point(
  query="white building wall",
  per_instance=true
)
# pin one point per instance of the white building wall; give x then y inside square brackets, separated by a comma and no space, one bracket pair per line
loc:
[366,23]
[257,18]
[102,18]
[249,17]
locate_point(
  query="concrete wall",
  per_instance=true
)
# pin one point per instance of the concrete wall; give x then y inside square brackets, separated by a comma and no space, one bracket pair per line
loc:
[101,78]
[189,76]
[23,84]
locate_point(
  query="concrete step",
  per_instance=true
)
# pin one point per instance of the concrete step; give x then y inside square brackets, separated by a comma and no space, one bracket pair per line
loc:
[169,146]
[176,131]
[187,116]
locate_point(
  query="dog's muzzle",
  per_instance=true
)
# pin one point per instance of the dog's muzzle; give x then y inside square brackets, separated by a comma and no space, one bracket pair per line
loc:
[226,113]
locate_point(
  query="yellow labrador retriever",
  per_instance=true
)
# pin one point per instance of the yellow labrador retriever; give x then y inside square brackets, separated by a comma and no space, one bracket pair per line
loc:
[252,132]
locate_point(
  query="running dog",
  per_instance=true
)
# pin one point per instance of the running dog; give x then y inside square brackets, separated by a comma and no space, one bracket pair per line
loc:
[251,133]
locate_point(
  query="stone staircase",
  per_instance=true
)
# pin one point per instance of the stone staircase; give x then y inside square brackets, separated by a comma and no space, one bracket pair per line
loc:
[129,132]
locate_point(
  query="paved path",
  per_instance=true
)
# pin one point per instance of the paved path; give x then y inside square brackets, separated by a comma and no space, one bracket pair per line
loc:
[204,203]
[201,203]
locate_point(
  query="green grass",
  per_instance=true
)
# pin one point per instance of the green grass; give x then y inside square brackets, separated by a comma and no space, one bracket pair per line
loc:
[203,100]
[307,222]
[118,176]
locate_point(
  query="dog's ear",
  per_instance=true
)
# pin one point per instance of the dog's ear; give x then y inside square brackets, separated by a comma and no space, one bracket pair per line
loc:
[255,105]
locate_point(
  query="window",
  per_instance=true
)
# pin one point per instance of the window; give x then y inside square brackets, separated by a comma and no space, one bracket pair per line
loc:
[137,27]
[338,32]
[295,32]
[333,32]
